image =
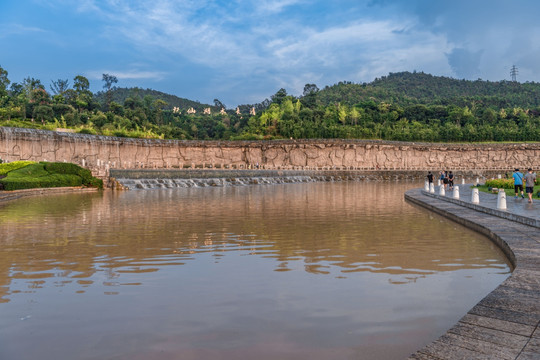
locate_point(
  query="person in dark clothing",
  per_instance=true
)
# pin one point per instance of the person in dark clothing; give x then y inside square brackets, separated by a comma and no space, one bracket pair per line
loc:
[430,177]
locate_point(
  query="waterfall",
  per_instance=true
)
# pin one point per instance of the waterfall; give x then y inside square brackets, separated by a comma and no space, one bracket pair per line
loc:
[133,184]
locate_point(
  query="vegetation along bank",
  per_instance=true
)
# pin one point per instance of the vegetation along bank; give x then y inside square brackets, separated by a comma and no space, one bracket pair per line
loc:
[30,175]
[401,106]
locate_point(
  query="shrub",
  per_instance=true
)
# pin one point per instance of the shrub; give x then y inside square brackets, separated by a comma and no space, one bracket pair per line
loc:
[87,131]
[45,174]
[7,167]
[500,183]
[72,169]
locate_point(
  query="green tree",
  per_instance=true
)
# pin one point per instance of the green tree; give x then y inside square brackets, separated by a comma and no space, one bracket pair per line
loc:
[108,80]
[80,84]
[83,96]
[4,82]
[279,96]
[59,86]
[309,98]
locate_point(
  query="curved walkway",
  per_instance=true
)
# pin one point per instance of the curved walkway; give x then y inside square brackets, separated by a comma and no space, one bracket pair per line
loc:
[506,323]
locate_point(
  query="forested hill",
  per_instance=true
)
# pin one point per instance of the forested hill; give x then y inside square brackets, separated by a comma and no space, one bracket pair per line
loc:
[119,95]
[406,88]
[401,106]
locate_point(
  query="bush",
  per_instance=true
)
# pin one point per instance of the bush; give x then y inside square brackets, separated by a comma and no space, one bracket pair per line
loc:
[87,131]
[45,174]
[500,183]
[7,167]
[72,169]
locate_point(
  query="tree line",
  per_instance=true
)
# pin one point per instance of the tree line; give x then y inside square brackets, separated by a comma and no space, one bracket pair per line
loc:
[401,106]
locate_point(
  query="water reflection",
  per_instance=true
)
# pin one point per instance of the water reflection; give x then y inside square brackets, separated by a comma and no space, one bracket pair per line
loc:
[284,246]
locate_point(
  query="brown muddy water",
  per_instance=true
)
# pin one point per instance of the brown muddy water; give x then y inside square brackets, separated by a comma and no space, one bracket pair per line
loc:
[297,271]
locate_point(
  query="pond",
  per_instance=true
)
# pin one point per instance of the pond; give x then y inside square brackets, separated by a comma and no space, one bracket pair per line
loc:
[344,270]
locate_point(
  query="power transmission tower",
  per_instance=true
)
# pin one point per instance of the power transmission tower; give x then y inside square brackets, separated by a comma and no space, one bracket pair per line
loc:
[514,72]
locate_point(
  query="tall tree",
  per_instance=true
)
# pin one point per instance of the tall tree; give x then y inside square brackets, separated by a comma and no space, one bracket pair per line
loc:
[4,81]
[80,84]
[59,86]
[279,96]
[219,104]
[310,96]
[30,84]
[83,96]
[109,80]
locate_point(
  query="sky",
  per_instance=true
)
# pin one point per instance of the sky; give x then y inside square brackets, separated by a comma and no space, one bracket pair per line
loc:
[244,51]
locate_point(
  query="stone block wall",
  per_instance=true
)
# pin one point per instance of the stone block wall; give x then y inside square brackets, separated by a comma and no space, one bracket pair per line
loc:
[101,153]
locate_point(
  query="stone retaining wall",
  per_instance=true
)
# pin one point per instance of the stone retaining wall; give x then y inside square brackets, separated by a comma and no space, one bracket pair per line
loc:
[101,153]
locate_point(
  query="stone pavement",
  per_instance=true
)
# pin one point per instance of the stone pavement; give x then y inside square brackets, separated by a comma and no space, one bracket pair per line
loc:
[506,323]
[519,209]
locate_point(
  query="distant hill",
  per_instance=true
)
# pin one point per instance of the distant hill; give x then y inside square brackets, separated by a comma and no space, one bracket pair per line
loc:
[119,95]
[406,88]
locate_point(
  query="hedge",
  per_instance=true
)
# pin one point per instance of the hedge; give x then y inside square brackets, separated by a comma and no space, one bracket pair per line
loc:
[502,183]
[44,174]
[7,167]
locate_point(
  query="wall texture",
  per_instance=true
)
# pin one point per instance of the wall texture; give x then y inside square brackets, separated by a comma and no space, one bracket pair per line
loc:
[101,153]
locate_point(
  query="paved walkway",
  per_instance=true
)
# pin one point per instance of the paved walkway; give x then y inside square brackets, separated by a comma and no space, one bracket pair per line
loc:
[506,323]
[519,209]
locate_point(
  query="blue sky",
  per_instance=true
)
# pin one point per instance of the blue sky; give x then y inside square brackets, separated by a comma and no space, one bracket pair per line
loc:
[243,51]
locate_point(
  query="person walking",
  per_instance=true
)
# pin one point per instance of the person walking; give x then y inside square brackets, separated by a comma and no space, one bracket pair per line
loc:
[450,180]
[530,178]
[445,180]
[518,183]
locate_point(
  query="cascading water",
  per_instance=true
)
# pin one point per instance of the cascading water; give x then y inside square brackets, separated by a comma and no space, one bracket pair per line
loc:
[133,184]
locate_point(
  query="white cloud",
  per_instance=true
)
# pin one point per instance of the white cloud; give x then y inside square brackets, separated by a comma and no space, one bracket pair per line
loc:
[239,43]
[18,29]
[126,75]
[274,6]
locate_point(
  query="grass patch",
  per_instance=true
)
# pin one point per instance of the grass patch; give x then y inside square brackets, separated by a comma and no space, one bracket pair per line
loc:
[510,192]
[44,175]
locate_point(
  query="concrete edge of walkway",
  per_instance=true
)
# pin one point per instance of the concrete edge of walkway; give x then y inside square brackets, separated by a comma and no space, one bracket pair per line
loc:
[505,324]
[500,213]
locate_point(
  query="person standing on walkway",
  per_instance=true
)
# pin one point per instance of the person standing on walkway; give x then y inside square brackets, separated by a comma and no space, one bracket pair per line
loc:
[450,180]
[430,178]
[530,178]
[445,180]
[518,183]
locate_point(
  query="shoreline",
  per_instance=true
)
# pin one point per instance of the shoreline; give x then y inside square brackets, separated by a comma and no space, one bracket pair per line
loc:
[505,324]
[6,196]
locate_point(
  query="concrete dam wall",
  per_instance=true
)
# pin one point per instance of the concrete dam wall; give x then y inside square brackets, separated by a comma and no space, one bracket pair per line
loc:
[101,153]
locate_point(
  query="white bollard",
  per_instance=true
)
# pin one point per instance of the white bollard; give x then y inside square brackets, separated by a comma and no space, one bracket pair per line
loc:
[426,186]
[477,181]
[432,188]
[499,176]
[456,192]
[438,182]
[501,200]
[475,199]
[463,181]
[441,190]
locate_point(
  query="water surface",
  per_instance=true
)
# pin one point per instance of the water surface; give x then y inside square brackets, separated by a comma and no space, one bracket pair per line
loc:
[298,271]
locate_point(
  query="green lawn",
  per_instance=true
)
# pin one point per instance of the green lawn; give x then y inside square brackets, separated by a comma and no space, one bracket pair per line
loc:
[511,193]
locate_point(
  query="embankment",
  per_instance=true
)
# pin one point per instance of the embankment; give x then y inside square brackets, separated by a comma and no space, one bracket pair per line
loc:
[100,153]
